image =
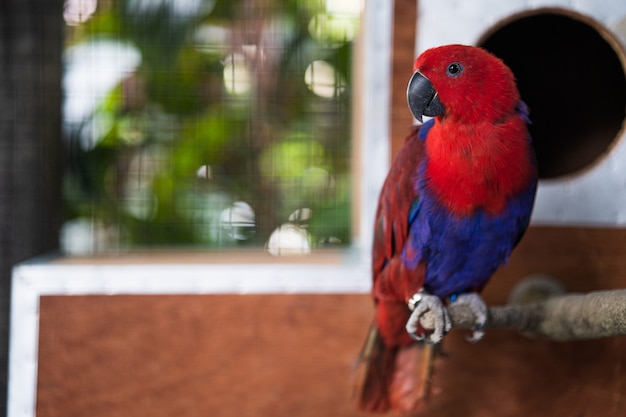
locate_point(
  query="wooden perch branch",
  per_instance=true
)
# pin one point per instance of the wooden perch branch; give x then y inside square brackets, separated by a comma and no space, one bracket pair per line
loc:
[564,317]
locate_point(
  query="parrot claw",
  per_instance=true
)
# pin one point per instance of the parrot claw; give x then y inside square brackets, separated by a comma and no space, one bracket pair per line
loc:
[479,308]
[421,303]
[476,336]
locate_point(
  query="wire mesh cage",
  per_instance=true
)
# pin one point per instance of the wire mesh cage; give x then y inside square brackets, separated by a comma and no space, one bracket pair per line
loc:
[205,123]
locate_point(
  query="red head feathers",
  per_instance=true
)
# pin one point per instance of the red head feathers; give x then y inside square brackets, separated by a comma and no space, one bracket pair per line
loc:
[466,79]
[478,150]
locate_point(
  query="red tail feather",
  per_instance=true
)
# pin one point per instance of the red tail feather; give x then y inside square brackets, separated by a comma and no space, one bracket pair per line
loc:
[395,378]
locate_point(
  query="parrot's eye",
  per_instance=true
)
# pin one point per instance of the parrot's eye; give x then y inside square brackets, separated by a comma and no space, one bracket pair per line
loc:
[455,69]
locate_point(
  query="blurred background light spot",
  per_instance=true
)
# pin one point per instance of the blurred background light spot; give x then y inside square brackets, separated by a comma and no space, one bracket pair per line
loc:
[212,38]
[237,79]
[320,77]
[86,236]
[78,11]
[92,69]
[204,172]
[345,7]
[138,198]
[288,240]
[301,216]
[179,8]
[238,221]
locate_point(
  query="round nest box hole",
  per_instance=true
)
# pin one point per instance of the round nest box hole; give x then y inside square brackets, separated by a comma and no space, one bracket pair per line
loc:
[571,72]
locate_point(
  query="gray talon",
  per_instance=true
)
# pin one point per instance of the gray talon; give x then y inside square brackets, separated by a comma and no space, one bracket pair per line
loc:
[476,336]
[479,308]
[416,337]
[421,303]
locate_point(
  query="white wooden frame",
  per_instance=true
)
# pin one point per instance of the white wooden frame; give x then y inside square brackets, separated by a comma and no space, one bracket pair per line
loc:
[38,278]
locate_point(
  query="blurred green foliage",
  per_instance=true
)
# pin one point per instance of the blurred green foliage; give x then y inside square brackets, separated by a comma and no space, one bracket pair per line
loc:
[217,111]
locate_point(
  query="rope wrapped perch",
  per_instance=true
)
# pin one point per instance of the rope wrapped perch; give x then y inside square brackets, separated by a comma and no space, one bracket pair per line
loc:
[565,317]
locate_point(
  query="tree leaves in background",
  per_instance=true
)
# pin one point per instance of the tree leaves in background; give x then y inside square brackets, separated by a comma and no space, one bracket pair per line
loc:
[172,147]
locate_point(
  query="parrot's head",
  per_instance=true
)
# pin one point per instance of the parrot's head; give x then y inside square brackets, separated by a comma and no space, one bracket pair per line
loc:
[461,82]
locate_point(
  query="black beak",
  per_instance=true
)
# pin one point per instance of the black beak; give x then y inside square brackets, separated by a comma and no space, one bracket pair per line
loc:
[422,97]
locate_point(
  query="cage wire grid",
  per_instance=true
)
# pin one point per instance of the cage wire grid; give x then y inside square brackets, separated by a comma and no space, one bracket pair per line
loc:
[223,124]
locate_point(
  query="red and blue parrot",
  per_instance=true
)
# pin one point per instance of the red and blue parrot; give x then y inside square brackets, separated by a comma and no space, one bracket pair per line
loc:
[456,201]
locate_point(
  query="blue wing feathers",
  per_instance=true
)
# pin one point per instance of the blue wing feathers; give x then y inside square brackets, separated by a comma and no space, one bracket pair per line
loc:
[461,254]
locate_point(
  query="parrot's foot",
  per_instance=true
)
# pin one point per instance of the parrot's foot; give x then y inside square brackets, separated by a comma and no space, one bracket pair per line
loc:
[421,303]
[479,308]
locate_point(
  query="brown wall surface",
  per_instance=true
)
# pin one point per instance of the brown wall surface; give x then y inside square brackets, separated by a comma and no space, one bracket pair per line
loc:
[199,355]
[292,355]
